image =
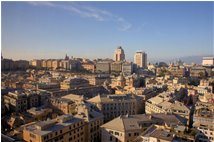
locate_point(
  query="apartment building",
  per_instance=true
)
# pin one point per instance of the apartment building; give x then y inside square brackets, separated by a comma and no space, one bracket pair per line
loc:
[163,103]
[65,128]
[203,119]
[113,106]
[127,128]
[93,120]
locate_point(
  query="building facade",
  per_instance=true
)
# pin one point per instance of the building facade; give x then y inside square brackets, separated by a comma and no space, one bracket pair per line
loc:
[65,128]
[140,59]
[113,106]
[127,128]
[203,119]
[119,54]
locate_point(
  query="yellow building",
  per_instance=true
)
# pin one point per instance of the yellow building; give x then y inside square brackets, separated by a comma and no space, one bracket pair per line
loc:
[140,59]
[44,63]
[115,105]
[65,128]
[127,128]
[49,64]
[55,64]
[93,120]
[89,66]
[74,82]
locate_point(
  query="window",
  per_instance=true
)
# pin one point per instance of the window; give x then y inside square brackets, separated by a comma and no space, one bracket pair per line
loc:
[116,133]
[130,134]
[111,132]
[110,139]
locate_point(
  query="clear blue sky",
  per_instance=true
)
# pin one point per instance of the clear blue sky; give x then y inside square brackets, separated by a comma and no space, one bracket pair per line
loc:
[94,29]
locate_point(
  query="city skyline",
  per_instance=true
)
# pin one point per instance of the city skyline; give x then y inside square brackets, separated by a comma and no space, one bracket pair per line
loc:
[33,30]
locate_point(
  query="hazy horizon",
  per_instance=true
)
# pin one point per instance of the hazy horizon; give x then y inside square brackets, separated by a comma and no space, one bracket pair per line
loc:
[164,30]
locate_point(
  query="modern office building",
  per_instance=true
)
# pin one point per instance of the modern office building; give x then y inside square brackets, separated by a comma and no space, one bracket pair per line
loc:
[140,59]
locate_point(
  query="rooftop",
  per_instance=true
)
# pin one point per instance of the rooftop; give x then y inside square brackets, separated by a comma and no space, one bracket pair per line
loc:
[133,122]
[45,127]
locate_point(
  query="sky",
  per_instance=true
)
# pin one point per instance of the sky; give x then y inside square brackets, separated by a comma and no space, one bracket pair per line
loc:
[164,30]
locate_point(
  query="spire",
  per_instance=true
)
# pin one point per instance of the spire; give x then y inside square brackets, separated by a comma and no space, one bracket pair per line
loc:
[66,57]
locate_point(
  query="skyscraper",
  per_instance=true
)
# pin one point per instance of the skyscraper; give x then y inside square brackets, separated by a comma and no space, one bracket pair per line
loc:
[140,59]
[119,54]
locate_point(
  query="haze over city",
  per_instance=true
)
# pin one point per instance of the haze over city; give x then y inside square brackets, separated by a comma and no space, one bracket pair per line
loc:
[107,71]
[164,30]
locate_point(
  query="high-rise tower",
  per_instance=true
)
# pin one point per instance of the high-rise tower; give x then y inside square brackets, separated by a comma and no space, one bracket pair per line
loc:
[119,54]
[140,59]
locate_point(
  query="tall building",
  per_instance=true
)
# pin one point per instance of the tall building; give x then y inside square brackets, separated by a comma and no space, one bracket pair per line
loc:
[119,54]
[140,59]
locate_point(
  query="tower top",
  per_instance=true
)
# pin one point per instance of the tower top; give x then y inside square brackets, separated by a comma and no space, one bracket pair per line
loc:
[66,57]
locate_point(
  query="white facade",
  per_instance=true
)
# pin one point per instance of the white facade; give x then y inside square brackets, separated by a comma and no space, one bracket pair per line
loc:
[208,61]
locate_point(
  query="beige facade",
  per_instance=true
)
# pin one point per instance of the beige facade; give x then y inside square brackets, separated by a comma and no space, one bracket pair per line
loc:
[55,64]
[163,104]
[197,72]
[204,121]
[36,63]
[119,54]
[75,82]
[113,106]
[64,105]
[103,67]
[208,61]
[16,101]
[89,66]
[128,127]
[93,120]
[127,68]
[177,71]
[121,81]
[49,64]
[116,67]
[22,100]
[65,128]
[44,63]
[140,59]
